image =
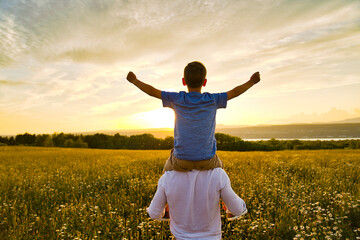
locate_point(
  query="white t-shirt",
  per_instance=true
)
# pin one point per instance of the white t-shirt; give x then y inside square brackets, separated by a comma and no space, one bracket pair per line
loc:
[193,199]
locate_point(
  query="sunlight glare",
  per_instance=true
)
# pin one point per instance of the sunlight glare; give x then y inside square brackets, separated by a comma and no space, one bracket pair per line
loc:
[158,118]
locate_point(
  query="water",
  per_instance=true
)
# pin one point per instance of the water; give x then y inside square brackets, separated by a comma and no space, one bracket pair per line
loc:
[303,139]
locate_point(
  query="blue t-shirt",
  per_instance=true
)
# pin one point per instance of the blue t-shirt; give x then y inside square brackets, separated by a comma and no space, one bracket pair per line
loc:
[195,113]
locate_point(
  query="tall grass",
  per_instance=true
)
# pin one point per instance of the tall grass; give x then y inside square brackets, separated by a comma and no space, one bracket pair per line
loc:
[57,193]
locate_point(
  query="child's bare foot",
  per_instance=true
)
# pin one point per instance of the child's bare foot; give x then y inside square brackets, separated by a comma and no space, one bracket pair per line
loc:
[166,216]
[167,213]
[232,217]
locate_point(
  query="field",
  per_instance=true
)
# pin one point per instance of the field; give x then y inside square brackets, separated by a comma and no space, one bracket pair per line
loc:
[59,193]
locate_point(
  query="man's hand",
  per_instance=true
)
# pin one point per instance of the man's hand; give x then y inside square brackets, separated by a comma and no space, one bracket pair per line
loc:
[255,78]
[131,77]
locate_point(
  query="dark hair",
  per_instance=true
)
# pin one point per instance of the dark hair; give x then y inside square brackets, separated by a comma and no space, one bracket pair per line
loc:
[194,74]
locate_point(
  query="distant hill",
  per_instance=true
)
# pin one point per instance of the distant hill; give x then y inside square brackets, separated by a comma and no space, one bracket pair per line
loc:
[350,120]
[292,131]
[296,131]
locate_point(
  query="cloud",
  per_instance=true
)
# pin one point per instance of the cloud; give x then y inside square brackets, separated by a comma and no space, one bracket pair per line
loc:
[10,83]
[332,115]
[111,31]
[73,56]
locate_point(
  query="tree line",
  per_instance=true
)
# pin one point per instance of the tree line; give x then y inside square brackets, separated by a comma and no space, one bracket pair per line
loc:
[231,143]
[99,140]
[148,141]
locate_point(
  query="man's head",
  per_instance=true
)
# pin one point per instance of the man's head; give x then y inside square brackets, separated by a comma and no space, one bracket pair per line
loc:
[194,75]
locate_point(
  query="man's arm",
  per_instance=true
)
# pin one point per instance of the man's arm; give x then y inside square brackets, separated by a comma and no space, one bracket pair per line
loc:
[255,78]
[233,202]
[146,88]
[156,210]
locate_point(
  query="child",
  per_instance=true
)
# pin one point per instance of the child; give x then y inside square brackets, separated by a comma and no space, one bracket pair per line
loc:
[194,132]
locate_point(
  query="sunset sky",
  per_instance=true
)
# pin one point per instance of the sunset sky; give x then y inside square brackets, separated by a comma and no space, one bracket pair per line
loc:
[63,64]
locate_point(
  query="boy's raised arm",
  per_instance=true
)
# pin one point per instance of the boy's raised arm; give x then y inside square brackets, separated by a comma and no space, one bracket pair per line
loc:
[146,88]
[255,78]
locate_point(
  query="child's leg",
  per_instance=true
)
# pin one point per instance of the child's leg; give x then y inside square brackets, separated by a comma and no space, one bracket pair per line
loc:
[166,216]
[168,166]
[173,163]
[167,213]
[216,162]
[212,163]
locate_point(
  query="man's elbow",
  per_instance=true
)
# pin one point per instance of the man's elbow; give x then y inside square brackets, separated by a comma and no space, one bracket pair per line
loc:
[155,214]
[239,209]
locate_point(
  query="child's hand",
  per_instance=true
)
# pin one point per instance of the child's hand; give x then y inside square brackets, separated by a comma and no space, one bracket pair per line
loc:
[255,78]
[131,77]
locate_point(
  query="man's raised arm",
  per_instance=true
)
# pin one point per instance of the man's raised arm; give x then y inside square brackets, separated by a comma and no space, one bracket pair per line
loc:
[255,78]
[146,88]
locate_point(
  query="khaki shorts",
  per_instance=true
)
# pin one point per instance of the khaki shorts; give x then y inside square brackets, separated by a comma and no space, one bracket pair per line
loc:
[173,163]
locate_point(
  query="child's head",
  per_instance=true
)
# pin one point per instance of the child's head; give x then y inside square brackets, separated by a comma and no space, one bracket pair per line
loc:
[194,74]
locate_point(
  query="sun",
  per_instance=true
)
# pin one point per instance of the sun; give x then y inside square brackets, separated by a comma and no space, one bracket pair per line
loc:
[158,118]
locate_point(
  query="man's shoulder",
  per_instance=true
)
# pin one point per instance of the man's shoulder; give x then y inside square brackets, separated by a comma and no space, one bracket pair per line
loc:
[215,175]
[219,171]
[215,171]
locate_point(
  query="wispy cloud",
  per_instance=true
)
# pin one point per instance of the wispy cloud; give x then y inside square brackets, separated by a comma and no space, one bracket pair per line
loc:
[332,115]
[107,32]
[74,55]
[10,83]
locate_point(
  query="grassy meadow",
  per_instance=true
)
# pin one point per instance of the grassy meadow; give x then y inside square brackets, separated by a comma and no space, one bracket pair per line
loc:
[60,193]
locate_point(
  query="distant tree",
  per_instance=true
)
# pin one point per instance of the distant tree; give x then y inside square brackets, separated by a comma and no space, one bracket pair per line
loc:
[99,140]
[79,143]
[143,141]
[230,143]
[148,141]
[11,141]
[58,139]
[44,140]
[274,144]
[224,141]
[354,144]
[292,144]
[48,142]
[120,142]
[69,143]
[167,143]
[25,139]
[4,140]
